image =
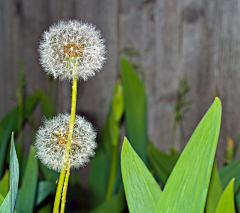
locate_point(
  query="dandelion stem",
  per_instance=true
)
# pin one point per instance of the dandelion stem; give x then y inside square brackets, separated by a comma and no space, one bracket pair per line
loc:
[64,192]
[59,190]
[68,145]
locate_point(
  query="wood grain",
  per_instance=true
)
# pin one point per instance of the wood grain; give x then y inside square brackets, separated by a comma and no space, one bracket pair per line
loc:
[163,39]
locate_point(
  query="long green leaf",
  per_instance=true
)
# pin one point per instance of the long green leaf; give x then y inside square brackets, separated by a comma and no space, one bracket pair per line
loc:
[4,184]
[161,163]
[44,189]
[100,165]
[135,109]
[1,201]
[187,187]
[9,123]
[230,171]
[117,204]
[141,189]
[9,201]
[46,104]
[226,202]
[27,192]
[214,191]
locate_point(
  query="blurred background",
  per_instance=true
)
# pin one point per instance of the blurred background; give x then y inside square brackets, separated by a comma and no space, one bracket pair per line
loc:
[164,40]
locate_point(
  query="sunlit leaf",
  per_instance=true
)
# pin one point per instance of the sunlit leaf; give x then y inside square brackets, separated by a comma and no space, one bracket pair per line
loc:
[141,189]
[226,202]
[187,187]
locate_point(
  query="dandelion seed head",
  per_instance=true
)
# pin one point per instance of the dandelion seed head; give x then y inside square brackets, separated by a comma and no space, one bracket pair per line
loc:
[52,137]
[72,49]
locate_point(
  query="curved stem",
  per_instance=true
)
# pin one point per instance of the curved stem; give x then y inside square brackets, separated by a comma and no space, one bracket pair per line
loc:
[64,192]
[68,145]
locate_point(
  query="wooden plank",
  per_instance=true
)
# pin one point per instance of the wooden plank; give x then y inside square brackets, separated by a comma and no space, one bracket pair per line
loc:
[163,39]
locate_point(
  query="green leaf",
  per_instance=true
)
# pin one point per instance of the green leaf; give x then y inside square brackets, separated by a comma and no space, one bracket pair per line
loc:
[1,201]
[46,209]
[187,187]
[116,204]
[46,104]
[237,196]
[100,165]
[44,189]
[226,202]
[4,184]
[161,163]
[49,174]
[230,171]
[141,189]
[9,123]
[27,192]
[9,201]
[214,191]
[135,109]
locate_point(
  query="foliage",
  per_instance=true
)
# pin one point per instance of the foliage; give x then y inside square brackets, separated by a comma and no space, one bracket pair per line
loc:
[151,180]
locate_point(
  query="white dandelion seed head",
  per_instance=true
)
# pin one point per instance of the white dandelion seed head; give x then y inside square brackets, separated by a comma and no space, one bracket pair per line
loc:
[72,49]
[51,141]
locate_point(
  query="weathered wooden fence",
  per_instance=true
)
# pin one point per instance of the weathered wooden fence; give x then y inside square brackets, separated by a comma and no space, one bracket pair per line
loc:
[165,38]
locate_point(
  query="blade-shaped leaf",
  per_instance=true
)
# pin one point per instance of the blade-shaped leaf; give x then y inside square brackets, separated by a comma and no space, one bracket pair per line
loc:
[226,202]
[141,189]
[161,163]
[100,165]
[116,204]
[9,201]
[187,187]
[214,191]
[44,189]
[230,171]
[9,124]
[27,192]
[46,104]
[4,184]
[135,109]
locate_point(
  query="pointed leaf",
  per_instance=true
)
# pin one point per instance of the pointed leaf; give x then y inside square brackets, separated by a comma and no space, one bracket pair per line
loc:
[44,189]
[4,184]
[230,171]
[214,191]
[226,202]
[9,201]
[116,204]
[9,123]
[100,165]
[135,109]
[187,187]
[141,189]
[161,163]
[27,192]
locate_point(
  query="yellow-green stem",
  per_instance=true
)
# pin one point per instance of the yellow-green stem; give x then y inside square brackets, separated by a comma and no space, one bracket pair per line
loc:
[68,145]
[64,192]
[58,192]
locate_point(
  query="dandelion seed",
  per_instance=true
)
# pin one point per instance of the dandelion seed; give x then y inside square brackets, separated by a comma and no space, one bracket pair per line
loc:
[72,49]
[52,137]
